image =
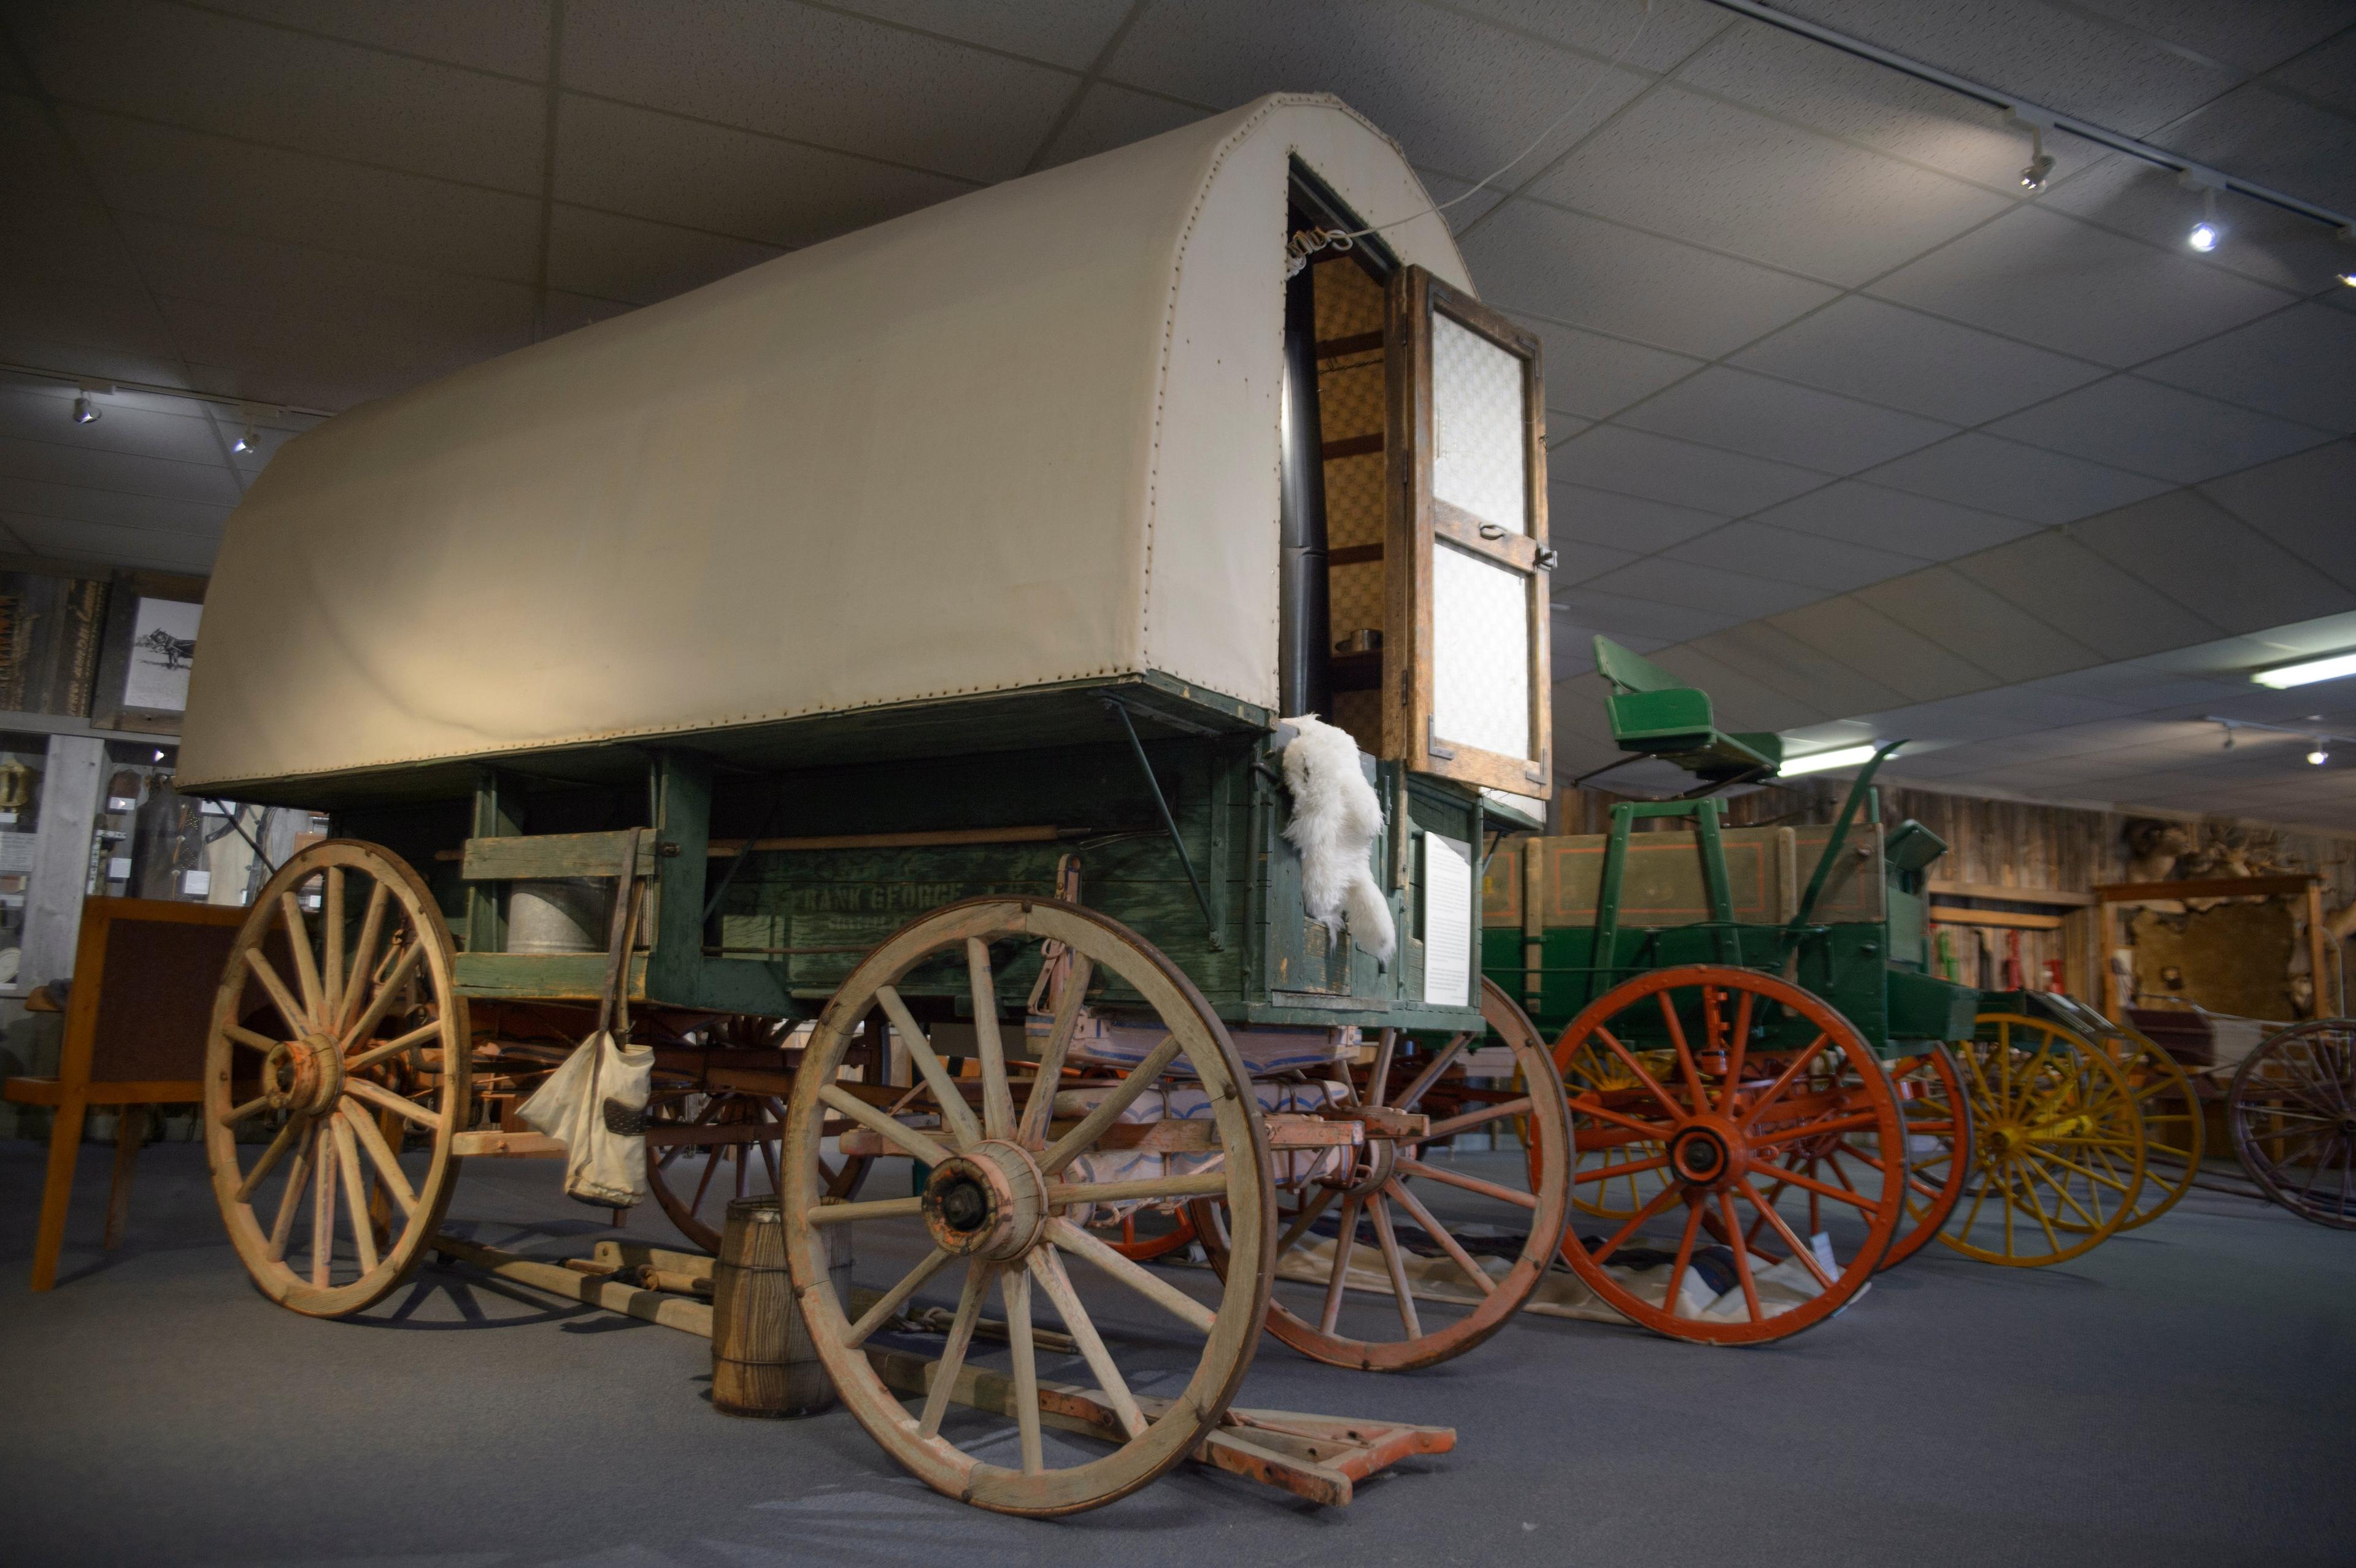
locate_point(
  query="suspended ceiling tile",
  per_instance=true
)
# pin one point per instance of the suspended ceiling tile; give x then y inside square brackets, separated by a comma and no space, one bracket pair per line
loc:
[2275,139]
[1858,635]
[2303,504]
[2131,423]
[1993,475]
[2071,286]
[1780,555]
[2065,584]
[628,259]
[853,85]
[1780,660]
[1732,593]
[84,316]
[70,504]
[2299,364]
[1771,419]
[1066,32]
[2045,53]
[215,73]
[1595,377]
[108,545]
[1560,427]
[1113,117]
[1975,624]
[1738,701]
[1991,715]
[2327,74]
[208,182]
[1635,462]
[1586,611]
[2252,37]
[1716,174]
[1798,78]
[1625,522]
[242,270]
[2197,553]
[1590,273]
[56,229]
[2137,685]
[510,37]
[1458,94]
[364,348]
[2145,201]
[640,164]
[1577,561]
[1887,353]
[86,465]
[1672,29]
[1895,520]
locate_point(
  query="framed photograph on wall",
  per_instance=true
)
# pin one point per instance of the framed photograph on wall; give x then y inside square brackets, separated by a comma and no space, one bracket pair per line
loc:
[150,648]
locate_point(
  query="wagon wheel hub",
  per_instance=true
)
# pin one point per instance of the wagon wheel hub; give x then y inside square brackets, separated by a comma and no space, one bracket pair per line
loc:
[989,1201]
[2005,1140]
[1708,1153]
[303,1076]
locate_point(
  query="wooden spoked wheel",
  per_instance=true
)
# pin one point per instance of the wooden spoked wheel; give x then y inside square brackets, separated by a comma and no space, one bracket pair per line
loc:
[2056,1136]
[1593,1070]
[1390,1283]
[1003,1208]
[1938,1146]
[1146,1235]
[1768,1091]
[2174,1140]
[2292,1116]
[710,1139]
[338,1024]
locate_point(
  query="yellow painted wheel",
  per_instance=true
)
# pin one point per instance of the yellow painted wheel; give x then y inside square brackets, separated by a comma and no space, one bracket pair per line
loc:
[1595,1071]
[2172,1137]
[2056,1136]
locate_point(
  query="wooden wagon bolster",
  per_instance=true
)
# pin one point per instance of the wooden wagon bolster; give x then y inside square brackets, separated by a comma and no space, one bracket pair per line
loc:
[1173,1136]
[493,1142]
[1379,1121]
[695,1135]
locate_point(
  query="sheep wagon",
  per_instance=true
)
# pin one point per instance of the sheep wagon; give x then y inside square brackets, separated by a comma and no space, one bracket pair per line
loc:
[859,681]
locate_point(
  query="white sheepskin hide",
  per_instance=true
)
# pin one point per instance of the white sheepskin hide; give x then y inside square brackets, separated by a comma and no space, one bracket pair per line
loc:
[1335,820]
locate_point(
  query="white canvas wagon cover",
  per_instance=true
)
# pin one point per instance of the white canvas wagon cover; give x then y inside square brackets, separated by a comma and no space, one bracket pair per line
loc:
[1025,437]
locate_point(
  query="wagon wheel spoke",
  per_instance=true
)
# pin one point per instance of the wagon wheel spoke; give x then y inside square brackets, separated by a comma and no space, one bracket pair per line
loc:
[1039,1109]
[1631,1169]
[384,1099]
[290,1200]
[1465,1123]
[1784,1079]
[290,1011]
[1800,1250]
[888,1304]
[1378,1076]
[250,1040]
[1318,1201]
[390,1175]
[1673,1294]
[331,961]
[1810,1184]
[1440,1234]
[978,1277]
[1014,1286]
[2062,1191]
[1091,1127]
[1742,1257]
[306,966]
[956,1116]
[1145,1282]
[323,1212]
[1048,1269]
[252,1107]
[400,1045]
[996,1098]
[1346,1243]
[355,1190]
[1147,1190]
[387,991]
[1469,1183]
[362,965]
[1659,1201]
[1394,1263]
[1735,1051]
[296,1130]
[1442,1058]
[1652,1085]
[1686,1069]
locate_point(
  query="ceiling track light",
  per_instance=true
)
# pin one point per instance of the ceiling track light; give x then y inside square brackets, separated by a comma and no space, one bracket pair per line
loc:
[250,441]
[2319,745]
[2321,754]
[84,410]
[2204,235]
[2041,162]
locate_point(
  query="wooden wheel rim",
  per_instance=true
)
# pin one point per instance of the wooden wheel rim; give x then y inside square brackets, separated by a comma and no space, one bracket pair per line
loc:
[1937,1108]
[1747,990]
[1548,1117]
[2271,1082]
[2024,1129]
[725,1106]
[1234,1331]
[2172,1125]
[1591,1067]
[408,920]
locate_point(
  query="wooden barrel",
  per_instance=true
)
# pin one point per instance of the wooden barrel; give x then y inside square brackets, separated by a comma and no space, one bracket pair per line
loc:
[762,1363]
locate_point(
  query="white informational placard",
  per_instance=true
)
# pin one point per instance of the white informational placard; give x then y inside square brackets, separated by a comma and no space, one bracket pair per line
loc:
[17,853]
[162,647]
[1447,922]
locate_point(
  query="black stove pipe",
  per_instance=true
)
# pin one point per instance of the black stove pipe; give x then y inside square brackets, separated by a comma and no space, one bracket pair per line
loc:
[1305,636]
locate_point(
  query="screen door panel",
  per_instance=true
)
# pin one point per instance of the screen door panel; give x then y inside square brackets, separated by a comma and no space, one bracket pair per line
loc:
[1466,688]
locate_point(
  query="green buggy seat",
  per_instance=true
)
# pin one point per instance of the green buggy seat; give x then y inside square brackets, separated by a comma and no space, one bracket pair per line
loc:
[1656,713]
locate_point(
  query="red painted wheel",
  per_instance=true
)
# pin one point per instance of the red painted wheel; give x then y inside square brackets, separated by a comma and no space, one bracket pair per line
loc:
[1162,1234]
[1938,1146]
[1755,1091]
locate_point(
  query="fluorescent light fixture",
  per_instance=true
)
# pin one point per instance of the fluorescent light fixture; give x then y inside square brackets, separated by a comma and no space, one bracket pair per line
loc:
[2307,673]
[1821,761]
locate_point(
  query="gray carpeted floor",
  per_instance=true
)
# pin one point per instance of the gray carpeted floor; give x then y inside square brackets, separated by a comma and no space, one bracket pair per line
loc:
[2185,1395]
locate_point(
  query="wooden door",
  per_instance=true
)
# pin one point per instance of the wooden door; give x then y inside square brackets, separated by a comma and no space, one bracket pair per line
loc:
[1465,672]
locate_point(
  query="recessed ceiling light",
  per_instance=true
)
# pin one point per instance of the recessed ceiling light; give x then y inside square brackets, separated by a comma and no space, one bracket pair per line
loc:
[2307,672]
[1820,761]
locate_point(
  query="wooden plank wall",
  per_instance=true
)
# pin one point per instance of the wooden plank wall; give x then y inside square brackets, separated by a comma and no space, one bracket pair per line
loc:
[2003,843]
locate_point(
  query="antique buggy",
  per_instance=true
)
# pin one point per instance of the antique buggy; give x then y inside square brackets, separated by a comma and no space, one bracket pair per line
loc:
[1764,1074]
[859,681]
